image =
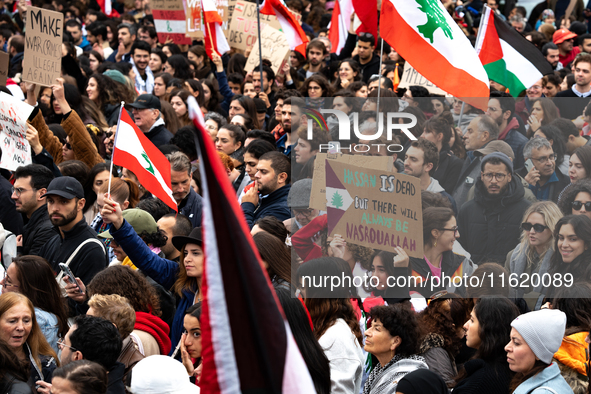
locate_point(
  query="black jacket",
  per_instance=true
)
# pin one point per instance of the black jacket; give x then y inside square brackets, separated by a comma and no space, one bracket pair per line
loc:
[37,232]
[370,68]
[9,217]
[490,225]
[115,384]
[570,105]
[89,261]
[275,204]
[192,207]
[159,135]
[484,378]
[448,170]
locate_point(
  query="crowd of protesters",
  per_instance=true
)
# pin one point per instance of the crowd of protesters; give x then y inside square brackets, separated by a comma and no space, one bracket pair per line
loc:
[505,193]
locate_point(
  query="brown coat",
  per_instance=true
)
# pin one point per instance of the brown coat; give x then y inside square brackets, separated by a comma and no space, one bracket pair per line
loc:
[84,148]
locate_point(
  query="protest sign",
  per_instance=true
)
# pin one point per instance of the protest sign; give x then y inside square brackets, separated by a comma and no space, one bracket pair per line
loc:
[374,208]
[169,20]
[194,21]
[16,150]
[4,64]
[410,77]
[42,61]
[318,194]
[227,17]
[275,48]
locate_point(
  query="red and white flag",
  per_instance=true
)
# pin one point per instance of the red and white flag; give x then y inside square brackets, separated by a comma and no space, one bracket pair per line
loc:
[134,151]
[339,24]
[367,12]
[246,340]
[292,29]
[107,8]
[215,40]
[423,33]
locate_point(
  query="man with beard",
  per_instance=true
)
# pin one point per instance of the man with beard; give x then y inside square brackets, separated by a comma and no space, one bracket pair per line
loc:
[77,244]
[489,224]
[140,57]
[501,108]
[571,107]
[269,195]
[550,52]
[545,180]
[315,53]
[189,203]
[291,119]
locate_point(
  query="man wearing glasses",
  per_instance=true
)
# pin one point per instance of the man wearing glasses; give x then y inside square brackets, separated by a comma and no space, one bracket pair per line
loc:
[545,180]
[490,223]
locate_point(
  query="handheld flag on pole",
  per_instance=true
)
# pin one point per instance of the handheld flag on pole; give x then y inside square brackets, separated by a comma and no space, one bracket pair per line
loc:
[247,343]
[215,40]
[339,24]
[295,35]
[134,151]
[507,56]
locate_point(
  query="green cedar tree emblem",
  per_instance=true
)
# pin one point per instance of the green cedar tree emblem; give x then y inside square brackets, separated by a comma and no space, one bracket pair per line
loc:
[150,168]
[435,19]
[337,200]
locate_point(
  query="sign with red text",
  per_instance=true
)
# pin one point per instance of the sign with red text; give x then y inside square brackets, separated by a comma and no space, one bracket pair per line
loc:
[42,61]
[16,150]
[374,208]
[169,20]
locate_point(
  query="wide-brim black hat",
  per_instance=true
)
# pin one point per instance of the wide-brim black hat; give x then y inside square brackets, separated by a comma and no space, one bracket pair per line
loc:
[179,241]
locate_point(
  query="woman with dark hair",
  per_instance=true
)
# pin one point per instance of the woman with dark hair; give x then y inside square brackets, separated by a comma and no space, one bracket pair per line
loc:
[315,87]
[243,120]
[440,342]
[392,339]
[247,89]
[13,373]
[576,199]
[440,231]
[198,55]
[335,324]
[440,105]
[302,330]
[554,137]
[306,150]
[195,88]
[230,140]
[98,175]
[276,257]
[157,60]
[161,81]
[178,100]
[572,252]
[535,337]
[242,104]
[297,60]
[236,64]
[487,331]
[171,49]
[439,130]
[76,169]
[359,88]
[21,332]
[80,377]
[191,341]
[349,71]
[32,277]
[212,99]
[108,94]
[270,225]
[579,164]
[178,67]
[95,59]
[543,111]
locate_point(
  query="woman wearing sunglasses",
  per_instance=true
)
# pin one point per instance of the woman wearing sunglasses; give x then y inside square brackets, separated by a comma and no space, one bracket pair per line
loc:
[576,199]
[535,251]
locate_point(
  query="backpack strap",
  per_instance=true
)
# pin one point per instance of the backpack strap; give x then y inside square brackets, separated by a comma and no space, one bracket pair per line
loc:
[545,388]
[60,275]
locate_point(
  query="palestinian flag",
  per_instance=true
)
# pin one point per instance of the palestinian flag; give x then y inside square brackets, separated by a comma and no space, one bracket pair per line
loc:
[508,58]
[423,33]
[134,151]
[247,343]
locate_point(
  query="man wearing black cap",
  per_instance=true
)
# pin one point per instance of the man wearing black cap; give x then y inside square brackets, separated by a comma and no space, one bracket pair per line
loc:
[76,245]
[146,114]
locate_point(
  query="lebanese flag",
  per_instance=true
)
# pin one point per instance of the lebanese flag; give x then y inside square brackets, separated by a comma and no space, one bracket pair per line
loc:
[292,29]
[428,38]
[367,12]
[247,343]
[134,151]
[107,9]
[215,40]
[507,56]
[339,24]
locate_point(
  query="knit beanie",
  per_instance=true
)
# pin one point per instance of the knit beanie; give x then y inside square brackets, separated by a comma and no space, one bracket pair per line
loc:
[542,331]
[497,155]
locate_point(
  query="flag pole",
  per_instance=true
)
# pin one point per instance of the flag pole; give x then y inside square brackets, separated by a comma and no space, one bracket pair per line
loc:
[260,44]
[461,115]
[113,152]
[379,83]
[210,38]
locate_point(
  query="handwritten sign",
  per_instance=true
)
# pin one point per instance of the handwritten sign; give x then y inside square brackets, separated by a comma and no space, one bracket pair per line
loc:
[374,208]
[275,48]
[4,64]
[318,193]
[169,21]
[227,15]
[42,62]
[16,150]
[410,77]
[194,21]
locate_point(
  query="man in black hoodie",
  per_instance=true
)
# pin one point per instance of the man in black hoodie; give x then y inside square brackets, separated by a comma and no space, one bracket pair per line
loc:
[489,224]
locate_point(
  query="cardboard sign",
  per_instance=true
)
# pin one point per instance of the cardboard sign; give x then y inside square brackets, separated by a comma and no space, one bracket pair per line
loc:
[227,16]
[16,150]
[318,193]
[275,48]
[410,77]
[374,208]
[194,25]
[169,20]
[42,62]
[4,65]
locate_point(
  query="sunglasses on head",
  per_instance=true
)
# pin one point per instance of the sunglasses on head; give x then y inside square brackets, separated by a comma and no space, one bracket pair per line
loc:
[538,228]
[577,205]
